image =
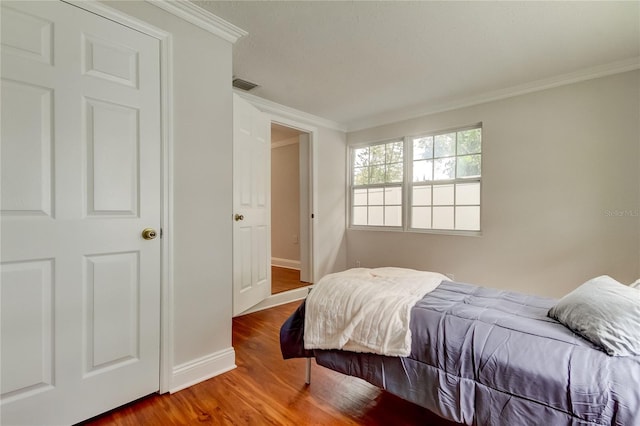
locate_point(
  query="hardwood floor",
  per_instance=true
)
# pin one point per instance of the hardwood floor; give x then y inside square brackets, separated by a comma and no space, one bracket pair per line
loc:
[267,390]
[284,279]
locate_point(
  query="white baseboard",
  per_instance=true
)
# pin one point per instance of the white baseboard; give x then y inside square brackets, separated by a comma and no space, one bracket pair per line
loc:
[285,263]
[279,299]
[201,369]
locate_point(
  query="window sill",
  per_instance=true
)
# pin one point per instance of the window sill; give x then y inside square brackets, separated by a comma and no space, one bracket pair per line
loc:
[417,231]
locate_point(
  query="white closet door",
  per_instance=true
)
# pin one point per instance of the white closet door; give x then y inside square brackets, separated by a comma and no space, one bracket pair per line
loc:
[80,287]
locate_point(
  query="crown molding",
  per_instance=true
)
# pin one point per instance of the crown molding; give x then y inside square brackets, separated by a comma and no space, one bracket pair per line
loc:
[421,110]
[271,107]
[101,9]
[200,17]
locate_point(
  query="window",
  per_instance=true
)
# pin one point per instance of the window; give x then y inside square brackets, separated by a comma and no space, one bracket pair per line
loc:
[377,181]
[445,184]
[441,186]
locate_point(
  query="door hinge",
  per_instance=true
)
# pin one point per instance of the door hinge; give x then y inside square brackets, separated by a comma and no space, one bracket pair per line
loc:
[312,215]
[160,232]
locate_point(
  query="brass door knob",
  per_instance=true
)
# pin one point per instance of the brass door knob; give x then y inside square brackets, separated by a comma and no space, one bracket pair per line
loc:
[238,217]
[149,233]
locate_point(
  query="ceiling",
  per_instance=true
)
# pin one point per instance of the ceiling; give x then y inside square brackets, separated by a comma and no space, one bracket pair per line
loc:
[361,63]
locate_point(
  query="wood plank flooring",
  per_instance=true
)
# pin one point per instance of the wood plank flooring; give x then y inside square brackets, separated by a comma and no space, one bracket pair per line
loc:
[267,390]
[284,279]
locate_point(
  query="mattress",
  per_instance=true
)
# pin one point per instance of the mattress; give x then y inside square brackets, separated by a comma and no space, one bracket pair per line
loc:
[482,356]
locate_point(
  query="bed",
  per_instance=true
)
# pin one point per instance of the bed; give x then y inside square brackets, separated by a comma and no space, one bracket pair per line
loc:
[481,356]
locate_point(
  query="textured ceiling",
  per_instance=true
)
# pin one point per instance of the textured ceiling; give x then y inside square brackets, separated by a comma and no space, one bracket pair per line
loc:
[359,62]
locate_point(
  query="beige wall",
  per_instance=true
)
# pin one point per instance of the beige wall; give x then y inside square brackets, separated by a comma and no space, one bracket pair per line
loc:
[202,192]
[560,196]
[285,201]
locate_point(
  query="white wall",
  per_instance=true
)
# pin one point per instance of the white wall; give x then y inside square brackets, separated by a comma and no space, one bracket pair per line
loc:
[331,243]
[202,229]
[285,201]
[560,196]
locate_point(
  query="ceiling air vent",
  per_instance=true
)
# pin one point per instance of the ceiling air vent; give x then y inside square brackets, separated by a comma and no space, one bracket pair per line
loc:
[243,84]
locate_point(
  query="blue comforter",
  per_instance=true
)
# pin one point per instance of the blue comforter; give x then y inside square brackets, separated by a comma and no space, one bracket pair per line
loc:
[482,356]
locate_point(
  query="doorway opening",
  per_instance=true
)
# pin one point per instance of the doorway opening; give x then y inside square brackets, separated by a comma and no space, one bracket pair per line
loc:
[290,240]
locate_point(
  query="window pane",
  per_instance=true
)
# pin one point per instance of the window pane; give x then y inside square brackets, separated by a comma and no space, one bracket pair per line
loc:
[393,196]
[468,218]
[421,217]
[394,152]
[423,148]
[443,218]
[376,197]
[444,168]
[376,215]
[377,154]
[422,170]
[393,216]
[469,141]
[359,197]
[361,176]
[469,166]
[376,174]
[443,195]
[361,157]
[468,193]
[394,173]
[421,196]
[359,215]
[444,145]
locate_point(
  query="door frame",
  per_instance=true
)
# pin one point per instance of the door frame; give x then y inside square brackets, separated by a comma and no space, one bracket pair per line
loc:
[280,115]
[166,172]
[311,190]
[305,161]
[305,211]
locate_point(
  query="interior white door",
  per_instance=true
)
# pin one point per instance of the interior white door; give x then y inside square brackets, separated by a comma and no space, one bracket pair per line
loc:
[80,287]
[252,205]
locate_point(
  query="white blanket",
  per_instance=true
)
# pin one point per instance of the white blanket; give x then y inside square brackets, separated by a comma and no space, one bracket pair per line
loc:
[366,310]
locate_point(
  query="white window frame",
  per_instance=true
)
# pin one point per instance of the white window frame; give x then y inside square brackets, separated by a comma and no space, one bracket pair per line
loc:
[401,185]
[407,186]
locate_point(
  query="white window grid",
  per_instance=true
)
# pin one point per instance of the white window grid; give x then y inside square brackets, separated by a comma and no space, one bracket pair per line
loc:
[454,205]
[408,185]
[385,205]
[373,186]
[439,183]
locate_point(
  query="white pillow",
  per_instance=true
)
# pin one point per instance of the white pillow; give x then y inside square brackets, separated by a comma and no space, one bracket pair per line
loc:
[635,284]
[604,312]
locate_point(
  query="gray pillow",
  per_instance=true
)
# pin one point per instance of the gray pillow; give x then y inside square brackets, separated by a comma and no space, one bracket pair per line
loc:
[604,312]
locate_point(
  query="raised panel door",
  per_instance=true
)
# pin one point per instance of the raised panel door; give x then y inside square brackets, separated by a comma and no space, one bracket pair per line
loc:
[80,180]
